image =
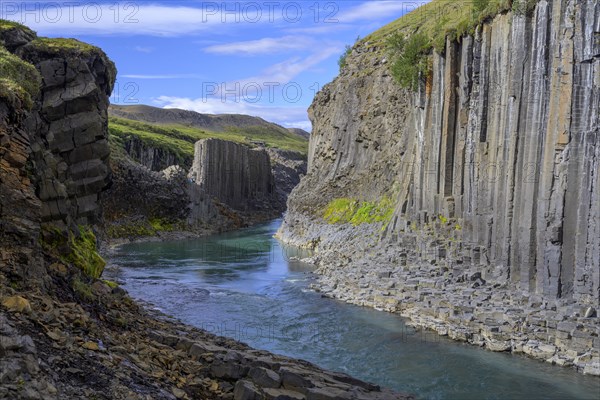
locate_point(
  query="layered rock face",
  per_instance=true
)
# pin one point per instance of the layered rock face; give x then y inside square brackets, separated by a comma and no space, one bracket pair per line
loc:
[156,195]
[288,167]
[235,174]
[153,158]
[54,155]
[493,168]
[20,208]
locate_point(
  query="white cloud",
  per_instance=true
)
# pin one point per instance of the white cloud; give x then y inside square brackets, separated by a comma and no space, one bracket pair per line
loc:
[321,29]
[262,46]
[142,49]
[122,18]
[306,125]
[284,72]
[378,9]
[277,80]
[289,116]
[171,76]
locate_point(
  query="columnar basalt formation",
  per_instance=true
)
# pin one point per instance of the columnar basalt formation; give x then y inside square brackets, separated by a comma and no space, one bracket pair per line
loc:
[153,158]
[235,174]
[55,149]
[493,164]
[63,332]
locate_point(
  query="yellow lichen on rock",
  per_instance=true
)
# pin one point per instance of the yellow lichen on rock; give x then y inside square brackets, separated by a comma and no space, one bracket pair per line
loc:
[17,304]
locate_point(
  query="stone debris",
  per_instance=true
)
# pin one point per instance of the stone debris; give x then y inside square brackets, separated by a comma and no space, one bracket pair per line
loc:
[143,354]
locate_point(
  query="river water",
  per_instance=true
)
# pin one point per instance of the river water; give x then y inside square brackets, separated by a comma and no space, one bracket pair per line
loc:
[242,285]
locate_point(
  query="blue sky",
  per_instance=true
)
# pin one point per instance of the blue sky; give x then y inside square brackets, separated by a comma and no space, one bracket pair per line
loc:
[263,58]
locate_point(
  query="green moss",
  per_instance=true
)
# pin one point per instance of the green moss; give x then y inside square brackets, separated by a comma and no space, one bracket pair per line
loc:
[18,79]
[83,290]
[78,249]
[10,25]
[62,46]
[370,212]
[84,254]
[340,210]
[162,225]
[411,65]
[129,230]
[150,227]
[443,219]
[432,23]
[346,210]
[110,284]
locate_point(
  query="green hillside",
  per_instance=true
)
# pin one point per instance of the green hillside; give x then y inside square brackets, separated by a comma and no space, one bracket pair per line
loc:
[180,140]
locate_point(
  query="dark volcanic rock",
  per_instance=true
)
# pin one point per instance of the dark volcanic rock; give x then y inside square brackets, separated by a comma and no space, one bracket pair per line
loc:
[54,155]
[235,174]
[491,167]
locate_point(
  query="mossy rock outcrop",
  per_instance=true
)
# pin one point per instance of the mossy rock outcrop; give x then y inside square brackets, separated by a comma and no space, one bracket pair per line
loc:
[53,147]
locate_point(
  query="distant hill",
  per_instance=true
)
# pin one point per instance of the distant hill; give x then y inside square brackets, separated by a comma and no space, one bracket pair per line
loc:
[209,122]
[300,132]
[174,131]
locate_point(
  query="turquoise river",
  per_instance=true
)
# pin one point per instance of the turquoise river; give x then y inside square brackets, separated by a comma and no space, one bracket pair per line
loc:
[242,285]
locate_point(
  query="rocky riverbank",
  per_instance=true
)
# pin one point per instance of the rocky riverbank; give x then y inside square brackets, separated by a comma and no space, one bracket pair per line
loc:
[98,343]
[353,266]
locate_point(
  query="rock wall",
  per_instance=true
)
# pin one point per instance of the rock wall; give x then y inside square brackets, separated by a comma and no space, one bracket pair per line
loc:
[55,153]
[229,186]
[153,158]
[156,195]
[504,140]
[288,167]
[235,174]
[493,168]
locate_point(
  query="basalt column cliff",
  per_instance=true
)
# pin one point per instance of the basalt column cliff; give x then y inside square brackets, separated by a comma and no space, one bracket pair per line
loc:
[54,154]
[471,205]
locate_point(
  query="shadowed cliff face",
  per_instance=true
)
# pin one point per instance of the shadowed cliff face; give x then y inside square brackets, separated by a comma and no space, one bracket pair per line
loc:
[235,174]
[54,155]
[502,144]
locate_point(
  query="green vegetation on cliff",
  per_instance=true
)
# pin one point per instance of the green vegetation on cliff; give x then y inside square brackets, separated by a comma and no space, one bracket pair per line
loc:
[180,140]
[345,210]
[84,254]
[62,45]
[440,18]
[6,25]
[18,79]
[78,249]
[149,227]
[412,61]
[412,37]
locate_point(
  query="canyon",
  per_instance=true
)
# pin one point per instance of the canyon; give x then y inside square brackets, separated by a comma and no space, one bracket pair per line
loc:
[65,333]
[469,204]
